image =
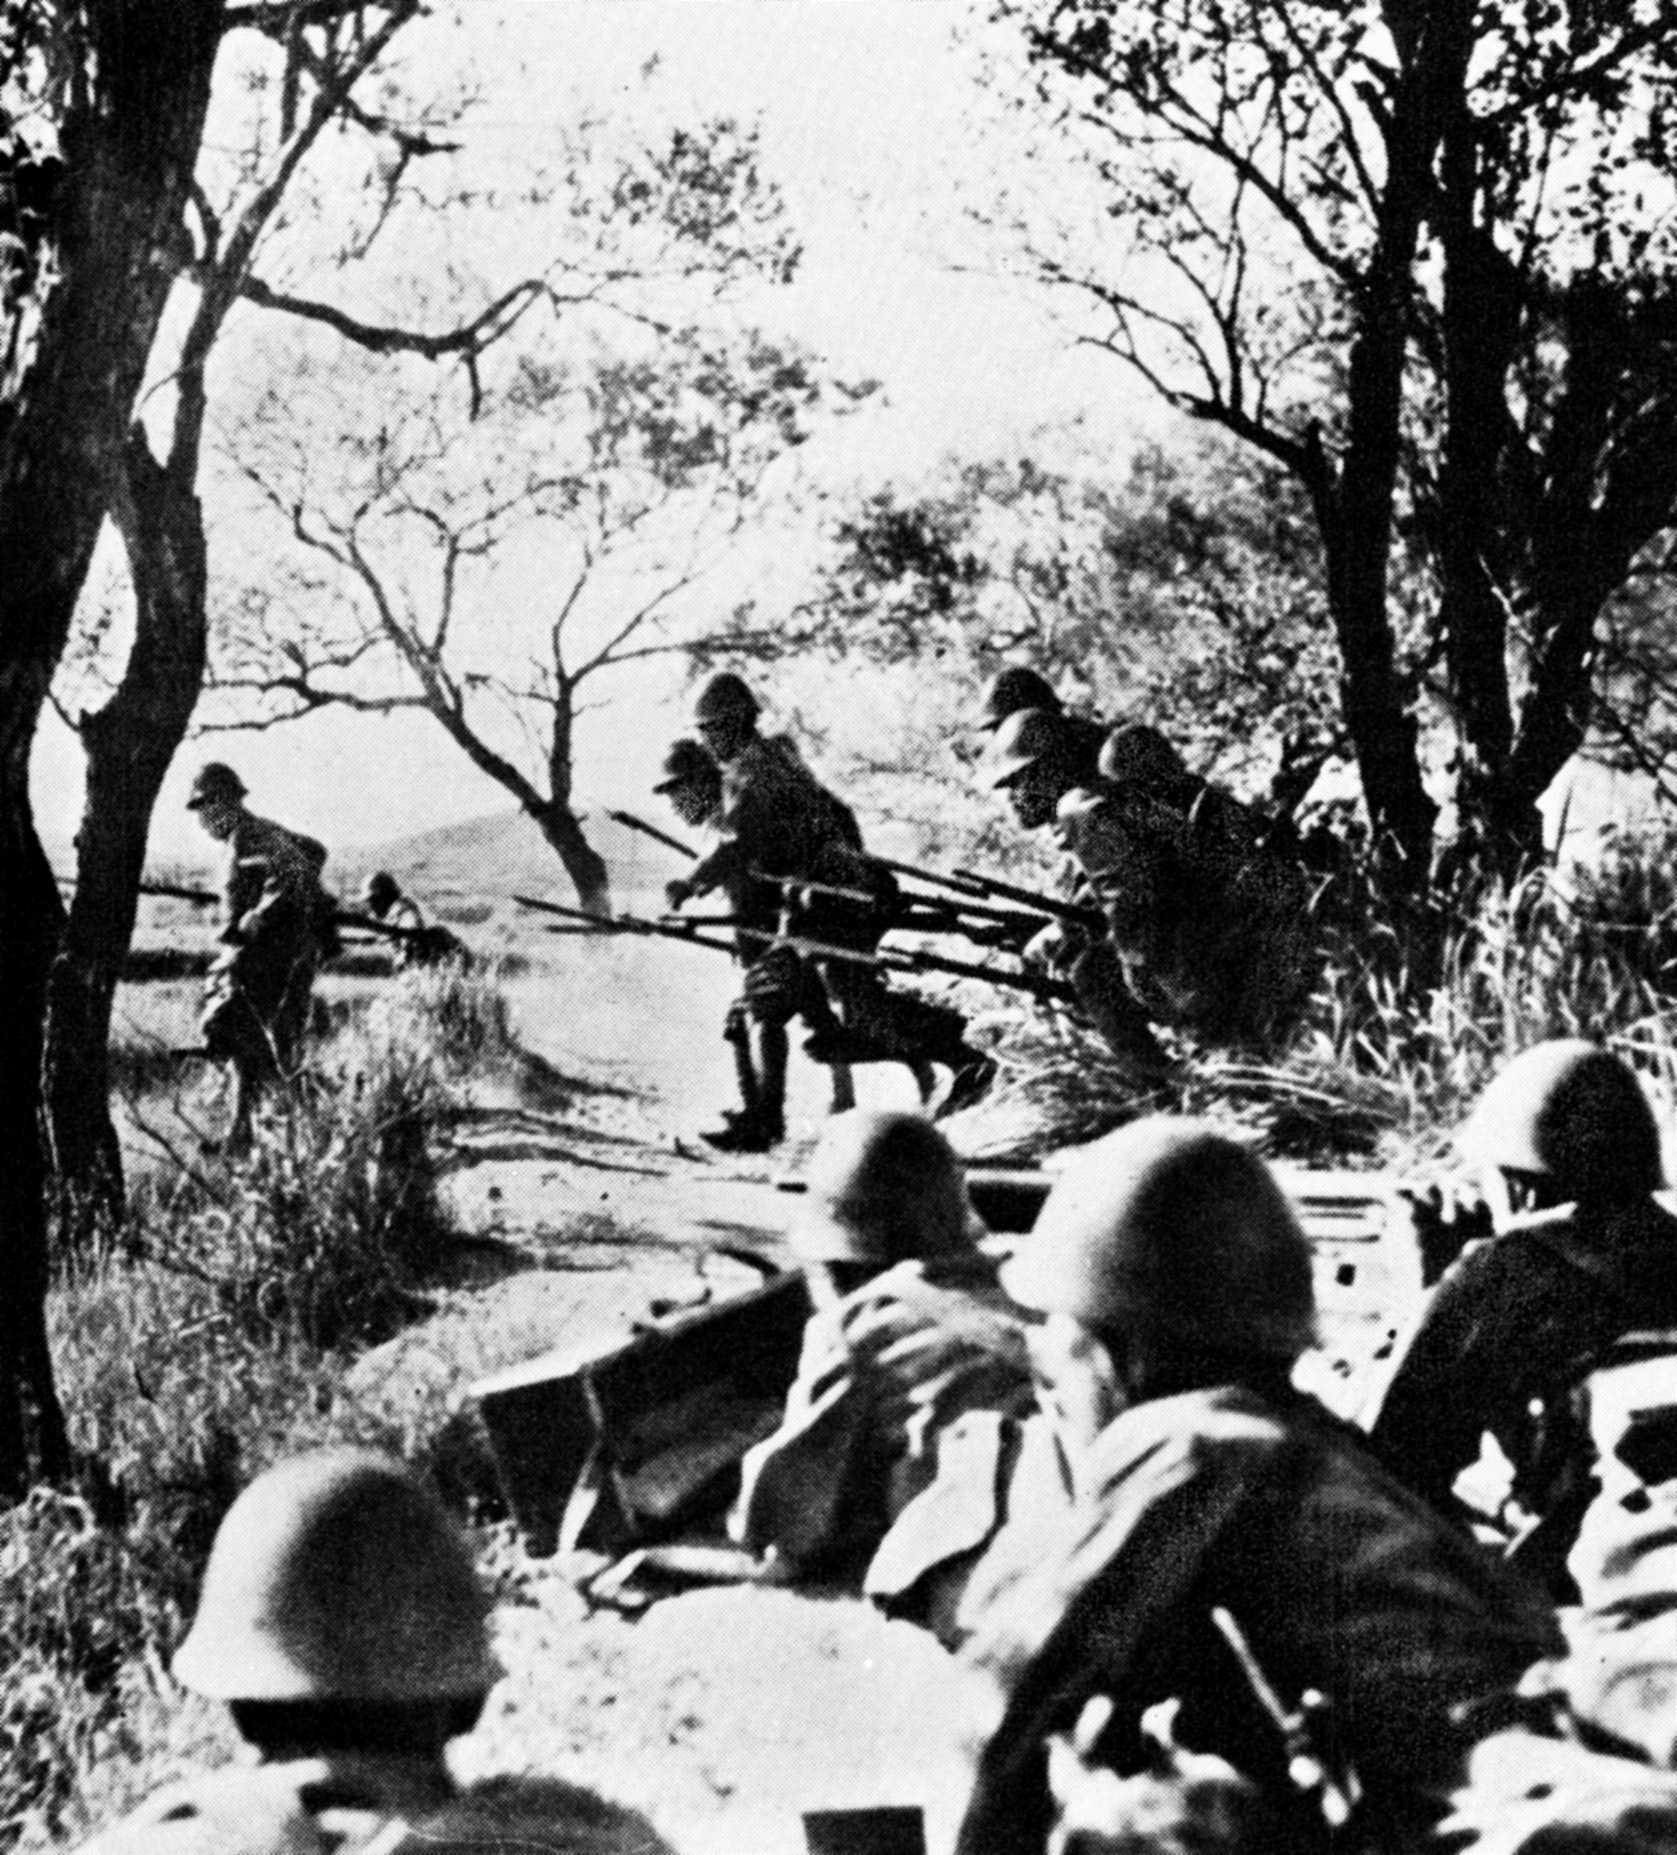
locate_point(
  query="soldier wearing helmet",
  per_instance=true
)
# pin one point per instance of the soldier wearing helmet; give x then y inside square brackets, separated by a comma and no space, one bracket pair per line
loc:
[1578,1255]
[887,1466]
[418,943]
[344,1624]
[1175,1290]
[777,826]
[1205,926]
[276,930]
[1018,687]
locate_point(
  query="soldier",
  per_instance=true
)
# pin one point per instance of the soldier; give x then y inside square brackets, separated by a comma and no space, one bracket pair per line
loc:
[889,1464]
[779,826]
[1018,688]
[1224,1526]
[345,1626]
[276,929]
[1579,1255]
[419,943]
[1205,927]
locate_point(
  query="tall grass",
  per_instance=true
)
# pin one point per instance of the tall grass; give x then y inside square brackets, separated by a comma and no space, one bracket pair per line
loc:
[196,1346]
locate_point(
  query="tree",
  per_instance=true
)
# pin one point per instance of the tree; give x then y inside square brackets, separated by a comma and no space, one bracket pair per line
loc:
[1188,591]
[312,66]
[114,94]
[1419,255]
[613,464]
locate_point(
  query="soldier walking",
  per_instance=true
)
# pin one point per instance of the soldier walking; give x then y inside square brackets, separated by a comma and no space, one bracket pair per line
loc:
[276,929]
[779,827]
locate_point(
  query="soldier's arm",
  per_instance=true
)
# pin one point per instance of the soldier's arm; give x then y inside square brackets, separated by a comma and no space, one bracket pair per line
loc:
[795,1485]
[1430,1419]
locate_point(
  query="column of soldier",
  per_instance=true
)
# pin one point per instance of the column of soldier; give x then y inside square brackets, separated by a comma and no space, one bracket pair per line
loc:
[1199,1611]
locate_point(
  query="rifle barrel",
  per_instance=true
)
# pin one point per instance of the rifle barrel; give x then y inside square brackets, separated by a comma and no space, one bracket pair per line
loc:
[1079,912]
[622,924]
[633,823]
[205,898]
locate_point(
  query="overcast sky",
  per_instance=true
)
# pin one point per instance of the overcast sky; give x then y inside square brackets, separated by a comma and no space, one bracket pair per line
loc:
[864,106]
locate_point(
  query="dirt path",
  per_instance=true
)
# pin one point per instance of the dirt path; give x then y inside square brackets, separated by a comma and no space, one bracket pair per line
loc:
[720,1715]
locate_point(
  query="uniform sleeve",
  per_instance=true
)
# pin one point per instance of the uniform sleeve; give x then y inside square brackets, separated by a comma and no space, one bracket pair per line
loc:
[795,1484]
[1431,1420]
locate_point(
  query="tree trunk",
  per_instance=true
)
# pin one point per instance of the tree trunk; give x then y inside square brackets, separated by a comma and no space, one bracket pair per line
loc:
[1499,828]
[583,863]
[130,743]
[129,142]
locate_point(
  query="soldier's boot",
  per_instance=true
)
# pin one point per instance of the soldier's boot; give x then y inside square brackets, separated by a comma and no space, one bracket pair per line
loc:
[763,1126]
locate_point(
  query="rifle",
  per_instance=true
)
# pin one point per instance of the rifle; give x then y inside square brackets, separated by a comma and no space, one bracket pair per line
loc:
[897,960]
[203,898]
[1077,912]
[651,830]
[633,924]
[976,890]
[1330,1794]
[343,918]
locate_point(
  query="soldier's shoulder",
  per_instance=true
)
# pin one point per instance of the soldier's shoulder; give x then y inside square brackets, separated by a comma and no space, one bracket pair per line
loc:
[235,1810]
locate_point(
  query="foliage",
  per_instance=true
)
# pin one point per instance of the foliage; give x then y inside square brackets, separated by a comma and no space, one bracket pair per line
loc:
[1421,257]
[1187,591]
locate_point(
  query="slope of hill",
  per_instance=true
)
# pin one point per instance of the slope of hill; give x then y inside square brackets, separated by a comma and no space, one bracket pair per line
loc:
[470,871]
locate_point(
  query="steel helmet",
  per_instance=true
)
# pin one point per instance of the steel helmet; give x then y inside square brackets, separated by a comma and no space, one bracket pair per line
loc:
[1027,736]
[1572,1112]
[381,892]
[1168,1228]
[1013,689]
[725,695]
[1138,755]
[882,1188]
[339,1575]
[215,784]
[687,764]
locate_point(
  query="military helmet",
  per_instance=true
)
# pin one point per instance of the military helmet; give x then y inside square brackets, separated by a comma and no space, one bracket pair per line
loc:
[1168,1229]
[1138,756]
[881,1188]
[725,696]
[1022,740]
[1013,689]
[1572,1112]
[215,784]
[686,764]
[338,1575]
[380,892]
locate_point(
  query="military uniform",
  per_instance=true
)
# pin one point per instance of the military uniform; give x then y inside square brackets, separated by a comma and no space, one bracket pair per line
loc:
[276,923]
[343,1802]
[891,1460]
[1508,1331]
[777,820]
[1340,1580]
[1204,925]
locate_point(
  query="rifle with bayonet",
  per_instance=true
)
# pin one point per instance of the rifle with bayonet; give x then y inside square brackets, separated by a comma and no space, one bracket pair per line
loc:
[341,918]
[892,960]
[980,891]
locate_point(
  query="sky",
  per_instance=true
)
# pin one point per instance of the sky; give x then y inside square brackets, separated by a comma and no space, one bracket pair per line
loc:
[864,107]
